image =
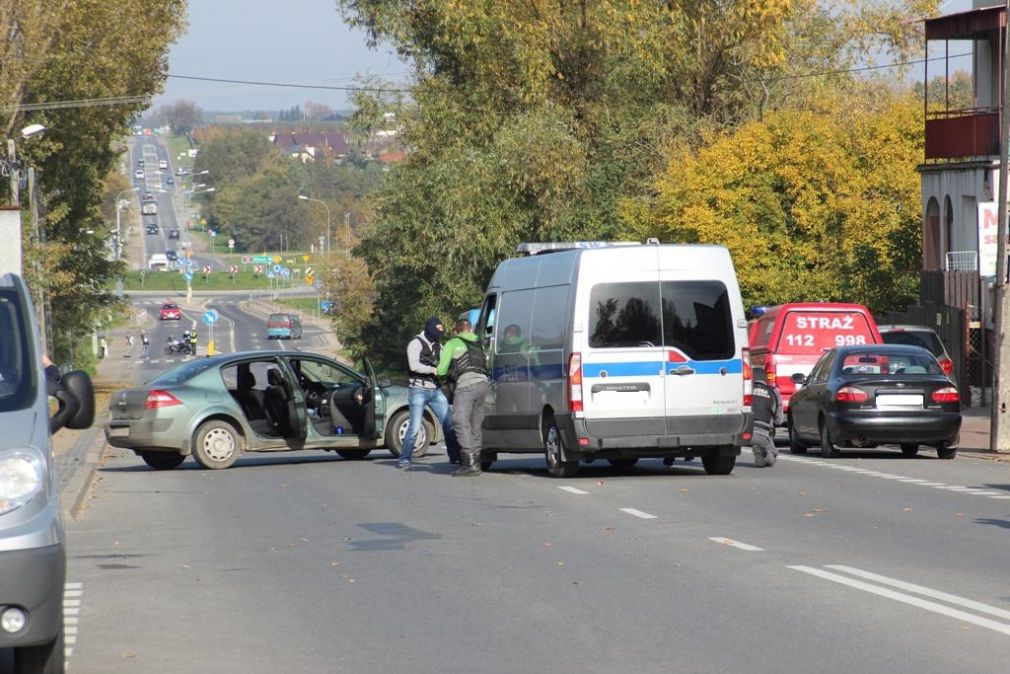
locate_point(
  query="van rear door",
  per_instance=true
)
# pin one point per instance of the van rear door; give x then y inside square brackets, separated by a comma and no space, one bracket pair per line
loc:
[623,359]
[704,371]
[807,334]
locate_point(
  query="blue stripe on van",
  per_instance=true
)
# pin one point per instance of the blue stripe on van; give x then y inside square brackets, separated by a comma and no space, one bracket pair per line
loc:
[651,368]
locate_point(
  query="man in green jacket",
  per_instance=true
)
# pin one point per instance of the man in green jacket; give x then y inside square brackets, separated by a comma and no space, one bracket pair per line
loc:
[463,364]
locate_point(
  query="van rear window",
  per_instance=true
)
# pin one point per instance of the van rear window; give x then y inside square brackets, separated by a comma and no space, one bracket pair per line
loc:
[693,316]
[811,332]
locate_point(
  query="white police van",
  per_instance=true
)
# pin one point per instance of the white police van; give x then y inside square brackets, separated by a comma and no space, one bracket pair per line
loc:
[616,351]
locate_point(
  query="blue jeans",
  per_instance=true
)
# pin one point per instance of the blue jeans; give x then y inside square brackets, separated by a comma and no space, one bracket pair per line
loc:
[417,398]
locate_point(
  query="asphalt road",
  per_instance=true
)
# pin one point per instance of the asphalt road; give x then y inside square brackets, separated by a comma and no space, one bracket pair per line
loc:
[306,562]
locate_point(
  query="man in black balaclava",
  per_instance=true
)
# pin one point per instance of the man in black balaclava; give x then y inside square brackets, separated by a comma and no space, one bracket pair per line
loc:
[423,353]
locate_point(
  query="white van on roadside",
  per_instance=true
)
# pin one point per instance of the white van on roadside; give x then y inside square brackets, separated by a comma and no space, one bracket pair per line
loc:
[158,262]
[616,351]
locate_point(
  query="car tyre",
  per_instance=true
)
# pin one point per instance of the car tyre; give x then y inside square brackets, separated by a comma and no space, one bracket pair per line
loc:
[353,454]
[945,451]
[909,449]
[217,446]
[796,446]
[719,464]
[162,460]
[554,453]
[623,464]
[828,448]
[47,658]
[396,430]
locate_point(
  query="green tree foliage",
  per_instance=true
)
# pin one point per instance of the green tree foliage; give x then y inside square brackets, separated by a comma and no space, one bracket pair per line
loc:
[78,50]
[533,120]
[813,204]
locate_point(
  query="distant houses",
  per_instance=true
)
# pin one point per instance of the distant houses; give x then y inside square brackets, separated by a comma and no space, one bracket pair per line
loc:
[334,146]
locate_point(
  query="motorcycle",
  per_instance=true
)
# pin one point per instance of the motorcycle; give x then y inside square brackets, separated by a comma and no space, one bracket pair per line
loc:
[178,346]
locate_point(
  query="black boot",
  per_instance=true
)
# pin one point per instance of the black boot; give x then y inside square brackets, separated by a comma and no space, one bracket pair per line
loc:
[471,463]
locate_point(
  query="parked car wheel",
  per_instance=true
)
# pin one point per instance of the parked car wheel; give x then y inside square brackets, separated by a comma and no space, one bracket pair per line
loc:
[796,446]
[828,448]
[554,453]
[909,449]
[720,464]
[353,454]
[217,445]
[944,451]
[162,460]
[396,431]
[42,659]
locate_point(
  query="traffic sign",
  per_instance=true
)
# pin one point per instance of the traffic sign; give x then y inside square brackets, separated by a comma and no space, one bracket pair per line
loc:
[271,274]
[210,316]
[305,258]
[277,269]
[247,259]
[233,269]
[258,269]
[276,258]
[285,272]
[317,285]
[309,271]
[212,232]
[188,275]
[310,279]
[262,259]
[231,243]
[206,269]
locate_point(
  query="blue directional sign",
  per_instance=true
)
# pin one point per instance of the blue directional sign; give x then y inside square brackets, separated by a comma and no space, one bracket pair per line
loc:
[188,263]
[317,285]
[188,275]
[277,268]
[285,272]
[271,274]
[210,316]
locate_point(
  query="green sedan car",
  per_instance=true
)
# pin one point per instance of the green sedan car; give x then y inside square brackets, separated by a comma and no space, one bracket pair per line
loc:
[216,408]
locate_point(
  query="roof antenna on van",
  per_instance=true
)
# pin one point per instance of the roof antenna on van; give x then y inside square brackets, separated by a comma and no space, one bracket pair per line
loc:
[652,241]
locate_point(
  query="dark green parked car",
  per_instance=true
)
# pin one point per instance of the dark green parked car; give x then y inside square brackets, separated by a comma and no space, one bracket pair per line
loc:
[216,408]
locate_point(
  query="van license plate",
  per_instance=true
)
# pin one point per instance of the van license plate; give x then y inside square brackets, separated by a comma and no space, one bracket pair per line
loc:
[903,400]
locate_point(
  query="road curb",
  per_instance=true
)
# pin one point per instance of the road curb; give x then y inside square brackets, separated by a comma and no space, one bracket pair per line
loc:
[76,492]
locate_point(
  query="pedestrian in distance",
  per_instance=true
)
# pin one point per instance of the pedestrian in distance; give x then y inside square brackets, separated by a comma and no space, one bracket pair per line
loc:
[145,344]
[103,348]
[423,389]
[192,341]
[129,340]
[464,365]
[768,413]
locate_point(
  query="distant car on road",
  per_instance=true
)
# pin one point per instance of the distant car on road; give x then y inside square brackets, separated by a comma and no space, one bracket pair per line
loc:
[151,228]
[284,326]
[864,396]
[173,233]
[170,311]
[162,164]
[138,174]
[216,408]
[171,255]
[170,181]
[919,335]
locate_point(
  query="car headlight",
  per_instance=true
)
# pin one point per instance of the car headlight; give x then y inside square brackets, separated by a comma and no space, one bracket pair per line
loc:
[22,477]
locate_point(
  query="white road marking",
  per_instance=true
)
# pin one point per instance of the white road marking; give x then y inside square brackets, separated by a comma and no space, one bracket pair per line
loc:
[736,544]
[73,586]
[933,607]
[638,513]
[71,608]
[925,591]
[573,490]
[73,593]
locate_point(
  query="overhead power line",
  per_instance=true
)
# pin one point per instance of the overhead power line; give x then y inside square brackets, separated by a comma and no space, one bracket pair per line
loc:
[379,89]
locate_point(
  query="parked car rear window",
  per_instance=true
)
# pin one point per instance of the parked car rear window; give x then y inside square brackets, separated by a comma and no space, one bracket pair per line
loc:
[279,320]
[805,332]
[692,316]
[889,364]
[927,340]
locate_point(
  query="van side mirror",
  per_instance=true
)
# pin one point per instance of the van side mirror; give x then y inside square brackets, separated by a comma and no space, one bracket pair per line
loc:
[799,378]
[75,396]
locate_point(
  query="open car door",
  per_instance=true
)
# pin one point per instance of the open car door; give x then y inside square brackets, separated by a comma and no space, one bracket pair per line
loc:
[372,422]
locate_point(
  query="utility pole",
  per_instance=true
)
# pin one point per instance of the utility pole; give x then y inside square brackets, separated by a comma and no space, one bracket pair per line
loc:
[37,234]
[999,429]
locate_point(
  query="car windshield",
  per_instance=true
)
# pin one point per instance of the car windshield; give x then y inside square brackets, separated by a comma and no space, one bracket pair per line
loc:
[17,377]
[926,339]
[182,373]
[169,306]
[887,364]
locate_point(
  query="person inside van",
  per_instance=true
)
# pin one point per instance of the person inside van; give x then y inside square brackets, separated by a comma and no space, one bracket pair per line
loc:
[514,342]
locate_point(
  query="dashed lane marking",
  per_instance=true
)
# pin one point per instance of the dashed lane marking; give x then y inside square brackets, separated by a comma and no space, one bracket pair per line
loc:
[574,490]
[72,593]
[638,513]
[735,544]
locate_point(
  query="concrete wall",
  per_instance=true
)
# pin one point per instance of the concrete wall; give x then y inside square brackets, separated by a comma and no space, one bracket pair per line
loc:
[10,241]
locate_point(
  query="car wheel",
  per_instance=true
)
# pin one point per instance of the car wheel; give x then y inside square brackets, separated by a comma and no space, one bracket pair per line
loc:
[622,464]
[353,454]
[396,431]
[217,445]
[796,446]
[909,449]
[47,658]
[945,451]
[719,464]
[162,460]
[557,466]
[828,448]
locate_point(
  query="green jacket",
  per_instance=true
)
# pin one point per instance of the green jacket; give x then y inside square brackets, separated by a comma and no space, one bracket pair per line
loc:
[453,347]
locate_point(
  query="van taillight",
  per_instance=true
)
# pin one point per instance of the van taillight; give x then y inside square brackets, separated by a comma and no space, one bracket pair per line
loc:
[158,398]
[748,379]
[770,370]
[575,382]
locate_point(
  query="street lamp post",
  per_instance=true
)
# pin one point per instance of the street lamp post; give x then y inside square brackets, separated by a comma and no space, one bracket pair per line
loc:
[329,245]
[347,233]
[119,231]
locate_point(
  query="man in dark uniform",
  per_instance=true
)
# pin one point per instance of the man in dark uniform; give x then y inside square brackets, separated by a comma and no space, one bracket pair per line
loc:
[767,408]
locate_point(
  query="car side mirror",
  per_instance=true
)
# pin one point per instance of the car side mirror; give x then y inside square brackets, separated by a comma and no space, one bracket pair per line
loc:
[75,396]
[799,378]
[384,383]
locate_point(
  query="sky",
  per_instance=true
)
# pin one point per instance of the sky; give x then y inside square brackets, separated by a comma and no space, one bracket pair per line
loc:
[298,42]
